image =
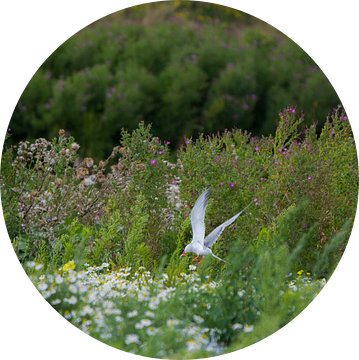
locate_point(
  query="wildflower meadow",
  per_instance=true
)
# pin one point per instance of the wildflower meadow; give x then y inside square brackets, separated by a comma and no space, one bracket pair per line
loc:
[102,242]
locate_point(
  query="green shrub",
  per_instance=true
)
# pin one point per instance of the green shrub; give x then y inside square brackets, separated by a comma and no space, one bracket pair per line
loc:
[104,248]
[183,77]
[275,173]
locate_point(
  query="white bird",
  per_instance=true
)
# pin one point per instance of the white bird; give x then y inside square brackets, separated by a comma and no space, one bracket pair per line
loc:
[201,245]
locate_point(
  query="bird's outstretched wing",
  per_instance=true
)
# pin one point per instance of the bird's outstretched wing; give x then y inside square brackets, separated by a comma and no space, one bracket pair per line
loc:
[218,258]
[214,235]
[197,217]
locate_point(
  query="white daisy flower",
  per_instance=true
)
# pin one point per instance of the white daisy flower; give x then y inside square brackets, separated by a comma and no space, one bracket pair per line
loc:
[132,313]
[30,264]
[248,328]
[151,331]
[150,314]
[132,338]
[237,326]
[198,319]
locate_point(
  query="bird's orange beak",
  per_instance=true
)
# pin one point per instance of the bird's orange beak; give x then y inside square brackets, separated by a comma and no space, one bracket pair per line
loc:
[183,254]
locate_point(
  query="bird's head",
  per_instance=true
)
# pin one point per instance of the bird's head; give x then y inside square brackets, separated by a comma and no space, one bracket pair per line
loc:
[186,250]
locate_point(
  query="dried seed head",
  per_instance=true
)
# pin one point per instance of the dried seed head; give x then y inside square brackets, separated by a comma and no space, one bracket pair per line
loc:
[61,132]
[102,164]
[153,147]
[58,182]
[121,150]
[81,173]
[88,162]
[90,180]
[115,169]
[23,146]
[101,178]
[63,152]
[40,167]
[141,166]
[74,147]
[34,193]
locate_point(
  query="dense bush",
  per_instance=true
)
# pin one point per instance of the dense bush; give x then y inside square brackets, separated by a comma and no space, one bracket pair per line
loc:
[144,196]
[183,74]
[104,249]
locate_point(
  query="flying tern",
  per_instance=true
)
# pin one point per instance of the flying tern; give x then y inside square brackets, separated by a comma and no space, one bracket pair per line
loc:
[201,245]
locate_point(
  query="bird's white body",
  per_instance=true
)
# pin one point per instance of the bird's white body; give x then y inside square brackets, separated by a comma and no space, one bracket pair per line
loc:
[201,245]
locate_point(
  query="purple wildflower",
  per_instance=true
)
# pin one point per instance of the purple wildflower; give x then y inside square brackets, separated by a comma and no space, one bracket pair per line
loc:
[153,162]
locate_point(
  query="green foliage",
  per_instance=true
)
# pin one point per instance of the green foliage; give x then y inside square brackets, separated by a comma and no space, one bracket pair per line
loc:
[263,237]
[256,295]
[70,245]
[145,159]
[84,94]
[279,172]
[105,249]
[139,211]
[11,218]
[32,107]
[287,130]
[182,91]
[102,244]
[202,11]
[327,260]
[176,265]
[134,251]
[258,285]
[132,97]
[184,77]
[42,192]
[232,100]
[106,236]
